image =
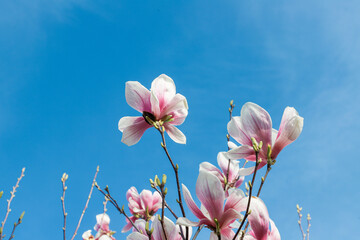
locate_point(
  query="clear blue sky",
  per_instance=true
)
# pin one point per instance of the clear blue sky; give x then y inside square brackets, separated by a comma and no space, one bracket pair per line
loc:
[63,70]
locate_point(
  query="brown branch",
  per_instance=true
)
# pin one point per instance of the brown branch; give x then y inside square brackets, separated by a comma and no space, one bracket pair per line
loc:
[166,205]
[87,202]
[250,193]
[175,168]
[16,224]
[115,204]
[9,203]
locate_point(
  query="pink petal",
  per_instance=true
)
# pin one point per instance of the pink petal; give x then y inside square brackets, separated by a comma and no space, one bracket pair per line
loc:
[240,152]
[86,235]
[179,117]
[133,133]
[205,166]
[228,217]
[246,171]
[191,204]
[137,96]
[127,227]
[133,193]
[157,202]
[175,134]
[146,199]
[274,234]
[186,222]
[155,105]
[290,128]
[128,121]
[103,221]
[236,200]
[238,132]
[227,234]
[232,145]
[178,102]
[210,193]
[164,89]
[259,218]
[137,236]
[256,122]
[223,162]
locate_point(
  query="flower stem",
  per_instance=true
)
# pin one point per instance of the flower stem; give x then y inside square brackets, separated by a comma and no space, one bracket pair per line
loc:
[250,193]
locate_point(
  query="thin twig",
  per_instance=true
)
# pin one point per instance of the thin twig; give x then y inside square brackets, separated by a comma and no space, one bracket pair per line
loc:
[176,168]
[198,231]
[9,203]
[250,193]
[299,222]
[116,205]
[231,108]
[63,180]
[163,208]
[87,202]
[167,206]
[263,179]
[16,224]
[308,229]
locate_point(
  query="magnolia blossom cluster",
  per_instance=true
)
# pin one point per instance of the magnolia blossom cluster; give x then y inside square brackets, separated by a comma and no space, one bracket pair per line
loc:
[224,207]
[102,228]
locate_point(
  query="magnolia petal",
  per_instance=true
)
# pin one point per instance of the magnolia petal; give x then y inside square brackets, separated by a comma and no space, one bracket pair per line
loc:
[246,171]
[103,221]
[86,235]
[105,237]
[191,204]
[237,131]
[206,166]
[137,236]
[175,134]
[133,133]
[155,105]
[146,199]
[256,122]
[224,164]
[234,200]
[213,236]
[290,128]
[232,145]
[228,217]
[227,233]
[186,222]
[137,96]
[210,193]
[127,227]
[164,89]
[259,218]
[178,102]
[157,201]
[179,116]
[240,152]
[128,121]
[274,234]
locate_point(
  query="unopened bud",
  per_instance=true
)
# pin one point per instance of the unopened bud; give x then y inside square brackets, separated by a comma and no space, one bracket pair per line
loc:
[157,180]
[163,179]
[231,102]
[1,193]
[165,191]
[260,144]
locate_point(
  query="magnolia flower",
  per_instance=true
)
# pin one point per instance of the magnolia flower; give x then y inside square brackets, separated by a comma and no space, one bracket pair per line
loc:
[172,231]
[143,205]
[229,178]
[255,122]
[102,228]
[213,213]
[259,222]
[161,104]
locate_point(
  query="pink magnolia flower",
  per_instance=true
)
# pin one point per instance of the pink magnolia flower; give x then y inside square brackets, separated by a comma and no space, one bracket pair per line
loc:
[161,103]
[255,122]
[229,178]
[102,228]
[259,222]
[142,206]
[172,231]
[213,213]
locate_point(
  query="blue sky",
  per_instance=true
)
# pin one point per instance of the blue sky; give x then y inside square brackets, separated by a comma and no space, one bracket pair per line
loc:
[63,70]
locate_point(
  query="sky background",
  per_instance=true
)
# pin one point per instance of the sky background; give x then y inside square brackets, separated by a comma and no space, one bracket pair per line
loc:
[63,68]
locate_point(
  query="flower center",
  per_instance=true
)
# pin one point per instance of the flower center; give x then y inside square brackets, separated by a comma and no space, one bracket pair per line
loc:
[147,116]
